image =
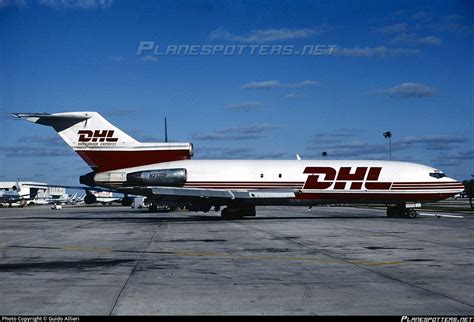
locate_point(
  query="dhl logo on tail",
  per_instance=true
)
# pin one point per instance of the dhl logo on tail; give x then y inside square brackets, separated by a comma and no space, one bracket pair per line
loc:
[96,136]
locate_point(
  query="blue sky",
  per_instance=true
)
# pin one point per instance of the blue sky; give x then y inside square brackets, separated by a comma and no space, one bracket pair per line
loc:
[400,66]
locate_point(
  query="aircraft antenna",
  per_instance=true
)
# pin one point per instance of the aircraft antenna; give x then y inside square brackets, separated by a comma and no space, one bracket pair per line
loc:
[166,131]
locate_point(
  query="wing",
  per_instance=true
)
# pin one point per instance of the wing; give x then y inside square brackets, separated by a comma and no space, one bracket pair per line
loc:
[211,196]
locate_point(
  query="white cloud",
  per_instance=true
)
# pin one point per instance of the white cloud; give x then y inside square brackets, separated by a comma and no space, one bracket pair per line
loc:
[293,95]
[254,131]
[399,27]
[453,23]
[277,84]
[380,51]
[16,3]
[115,59]
[434,139]
[454,158]
[430,40]
[266,35]
[407,90]
[77,4]
[149,59]
[421,15]
[239,153]
[413,39]
[246,106]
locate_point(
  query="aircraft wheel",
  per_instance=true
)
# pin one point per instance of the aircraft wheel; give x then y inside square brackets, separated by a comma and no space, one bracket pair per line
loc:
[231,213]
[411,213]
[390,212]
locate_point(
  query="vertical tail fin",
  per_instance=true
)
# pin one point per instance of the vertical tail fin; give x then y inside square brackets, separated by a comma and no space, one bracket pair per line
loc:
[17,186]
[103,146]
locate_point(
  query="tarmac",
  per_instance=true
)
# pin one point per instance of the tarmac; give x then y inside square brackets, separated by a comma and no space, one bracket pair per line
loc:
[285,261]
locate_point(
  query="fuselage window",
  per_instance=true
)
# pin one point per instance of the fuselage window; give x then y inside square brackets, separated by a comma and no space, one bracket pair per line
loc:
[437,175]
[261,175]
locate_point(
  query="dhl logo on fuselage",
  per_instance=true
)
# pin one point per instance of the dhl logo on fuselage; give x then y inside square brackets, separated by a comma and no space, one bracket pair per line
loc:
[96,136]
[340,179]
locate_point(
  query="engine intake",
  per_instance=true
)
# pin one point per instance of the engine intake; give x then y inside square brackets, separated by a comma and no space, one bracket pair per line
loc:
[88,179]
[164,177]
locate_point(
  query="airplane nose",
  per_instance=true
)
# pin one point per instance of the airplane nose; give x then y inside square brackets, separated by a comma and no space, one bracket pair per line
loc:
[457,185]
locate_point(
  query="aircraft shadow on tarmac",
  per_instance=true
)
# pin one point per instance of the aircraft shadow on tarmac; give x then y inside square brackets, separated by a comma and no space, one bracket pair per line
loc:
[195,218]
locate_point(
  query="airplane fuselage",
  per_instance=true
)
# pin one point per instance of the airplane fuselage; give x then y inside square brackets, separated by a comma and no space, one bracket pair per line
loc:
[322,181]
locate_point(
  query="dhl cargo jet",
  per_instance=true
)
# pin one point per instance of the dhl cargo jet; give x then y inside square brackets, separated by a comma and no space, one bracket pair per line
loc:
[167,176]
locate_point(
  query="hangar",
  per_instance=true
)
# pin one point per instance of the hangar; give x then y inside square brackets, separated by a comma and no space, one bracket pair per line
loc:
[37,189]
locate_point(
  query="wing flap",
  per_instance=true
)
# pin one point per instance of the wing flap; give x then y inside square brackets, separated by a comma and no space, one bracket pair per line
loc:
[183,193]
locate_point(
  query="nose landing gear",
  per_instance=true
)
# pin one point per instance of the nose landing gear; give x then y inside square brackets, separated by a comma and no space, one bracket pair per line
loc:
[401,211]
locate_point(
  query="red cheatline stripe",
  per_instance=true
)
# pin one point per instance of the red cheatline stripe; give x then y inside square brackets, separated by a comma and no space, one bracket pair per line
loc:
[426,185]
[375,196]
[247,182]
[253,185]
[445,188]
[428,182]
[239,188]
[242,187]
[429,187]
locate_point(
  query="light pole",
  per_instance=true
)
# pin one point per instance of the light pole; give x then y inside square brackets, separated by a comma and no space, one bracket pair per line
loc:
[388,135]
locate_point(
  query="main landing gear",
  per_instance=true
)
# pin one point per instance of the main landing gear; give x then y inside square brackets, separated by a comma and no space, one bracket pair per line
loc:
[401,211]
[238,212]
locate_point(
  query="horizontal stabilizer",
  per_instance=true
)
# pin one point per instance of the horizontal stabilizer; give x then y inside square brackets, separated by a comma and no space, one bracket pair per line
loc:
[58,121]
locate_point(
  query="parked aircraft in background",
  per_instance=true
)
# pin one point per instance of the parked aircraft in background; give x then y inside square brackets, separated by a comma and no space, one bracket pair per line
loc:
[166,175]
[104,197]
[13,196]
[38,201]
[62,200]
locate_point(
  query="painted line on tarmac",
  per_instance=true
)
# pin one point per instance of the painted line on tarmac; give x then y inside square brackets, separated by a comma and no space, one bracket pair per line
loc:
[438,215]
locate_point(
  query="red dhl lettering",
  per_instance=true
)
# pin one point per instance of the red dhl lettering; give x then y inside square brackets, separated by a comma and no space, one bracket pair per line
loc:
[327,177]
[96,136]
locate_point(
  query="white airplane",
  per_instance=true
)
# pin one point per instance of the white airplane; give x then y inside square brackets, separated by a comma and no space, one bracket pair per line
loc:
[41,201]
[105,197]
[167,176]
[12,197]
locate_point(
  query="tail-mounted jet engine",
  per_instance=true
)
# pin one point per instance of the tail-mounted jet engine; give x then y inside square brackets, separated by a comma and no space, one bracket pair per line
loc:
[164,178]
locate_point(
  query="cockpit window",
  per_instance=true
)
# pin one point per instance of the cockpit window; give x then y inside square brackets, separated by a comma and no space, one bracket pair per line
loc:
[437,175]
